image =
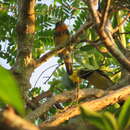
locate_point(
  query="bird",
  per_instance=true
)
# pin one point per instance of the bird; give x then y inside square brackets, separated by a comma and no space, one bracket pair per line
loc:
[96,77]
[62,36]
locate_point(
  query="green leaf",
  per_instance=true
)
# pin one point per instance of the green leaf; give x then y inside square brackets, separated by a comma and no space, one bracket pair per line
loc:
[94,118]
[59,1]
[104,121]
[9,91]
[111,121]
[124,116]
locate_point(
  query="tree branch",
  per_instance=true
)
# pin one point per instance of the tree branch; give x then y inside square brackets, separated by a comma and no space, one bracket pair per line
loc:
[9,120]
[122,22]
[108,41]
[65,96]
[94,6]
[34,103]
[44,72]
[105,14]
[95,105]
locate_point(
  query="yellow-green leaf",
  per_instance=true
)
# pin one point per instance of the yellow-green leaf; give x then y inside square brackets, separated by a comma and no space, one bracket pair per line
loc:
[9,91]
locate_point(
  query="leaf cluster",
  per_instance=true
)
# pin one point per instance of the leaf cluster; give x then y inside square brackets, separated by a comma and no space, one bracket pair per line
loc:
[107,120]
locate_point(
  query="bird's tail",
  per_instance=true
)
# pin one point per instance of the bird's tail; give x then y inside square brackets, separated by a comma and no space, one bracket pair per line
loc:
[68,62]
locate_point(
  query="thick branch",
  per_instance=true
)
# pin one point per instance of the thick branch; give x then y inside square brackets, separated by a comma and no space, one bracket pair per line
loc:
[66,96]
[95,105]
[9,120]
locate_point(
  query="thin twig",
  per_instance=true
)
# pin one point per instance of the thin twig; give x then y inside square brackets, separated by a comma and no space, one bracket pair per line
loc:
[93,6]
[124,20]
[42,73]
[124,33]
[105,14]
[53,72]
[121,8]
[89,41]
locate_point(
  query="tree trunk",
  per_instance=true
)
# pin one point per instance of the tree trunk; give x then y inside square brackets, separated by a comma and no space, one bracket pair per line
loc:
[25,28]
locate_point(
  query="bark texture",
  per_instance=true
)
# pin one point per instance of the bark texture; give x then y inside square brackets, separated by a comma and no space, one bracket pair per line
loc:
[25,37]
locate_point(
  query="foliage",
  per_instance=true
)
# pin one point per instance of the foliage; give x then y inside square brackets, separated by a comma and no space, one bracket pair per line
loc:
[106,120]
[8,16]
[75,12]
[85,55]
[9,91]
[34,92]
